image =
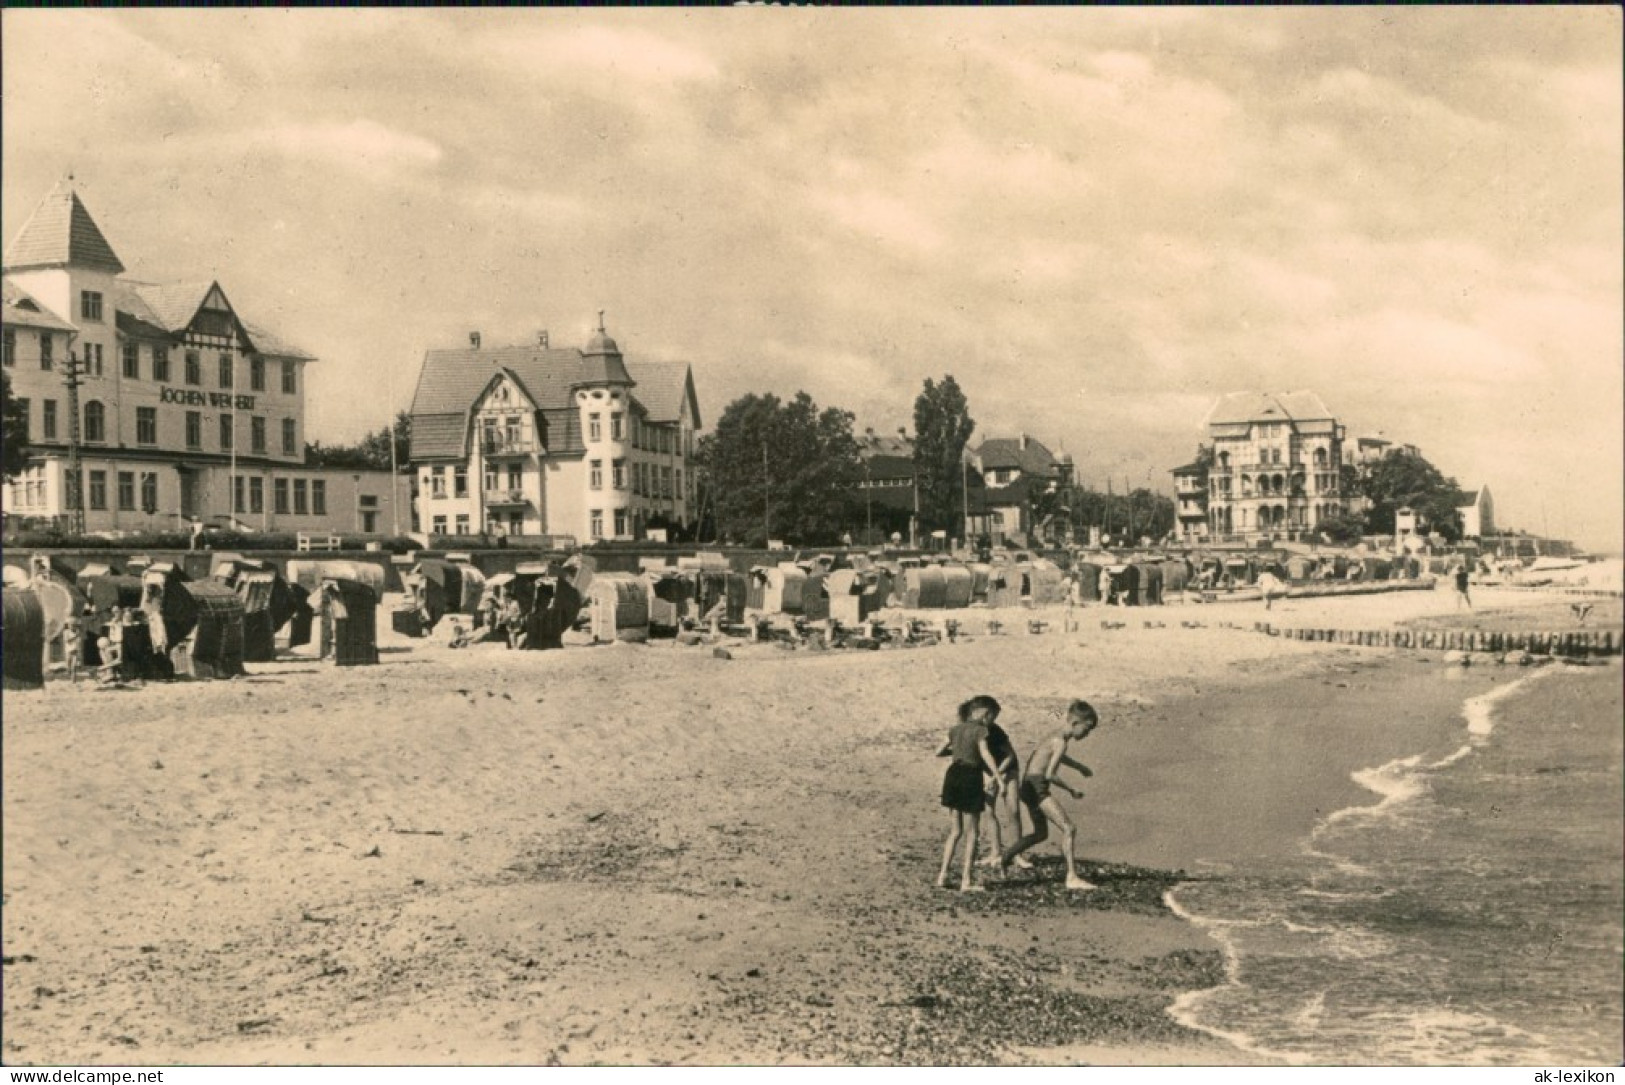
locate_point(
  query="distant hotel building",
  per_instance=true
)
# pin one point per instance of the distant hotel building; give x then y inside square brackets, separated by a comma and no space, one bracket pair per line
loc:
[188,413]
[533,440]
[1276,468]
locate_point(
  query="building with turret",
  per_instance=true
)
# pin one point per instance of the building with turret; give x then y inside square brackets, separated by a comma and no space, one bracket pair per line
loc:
[1276,468]
[183,410]
[535,440]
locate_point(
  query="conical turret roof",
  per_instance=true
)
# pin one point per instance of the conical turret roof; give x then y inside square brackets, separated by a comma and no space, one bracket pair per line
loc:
[61,233]
[602,363]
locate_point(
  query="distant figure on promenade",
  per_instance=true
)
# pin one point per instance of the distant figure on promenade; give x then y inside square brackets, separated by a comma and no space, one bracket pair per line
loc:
[1105,586]
[1270,586]
[1043,769]
[1461,588]
[962,786]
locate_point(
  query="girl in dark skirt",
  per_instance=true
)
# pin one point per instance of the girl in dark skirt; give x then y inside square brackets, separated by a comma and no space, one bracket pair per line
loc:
[962,784]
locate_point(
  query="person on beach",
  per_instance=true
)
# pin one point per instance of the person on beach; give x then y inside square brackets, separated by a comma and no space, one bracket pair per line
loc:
[1461,588]
[1001,784]
[1270,586]
[1043,768]
[73,645]
[962,786]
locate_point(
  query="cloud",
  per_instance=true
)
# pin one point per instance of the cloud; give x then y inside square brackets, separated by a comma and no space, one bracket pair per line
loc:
[361,144]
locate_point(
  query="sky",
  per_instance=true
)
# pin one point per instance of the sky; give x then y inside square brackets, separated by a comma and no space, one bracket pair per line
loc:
[1097,221]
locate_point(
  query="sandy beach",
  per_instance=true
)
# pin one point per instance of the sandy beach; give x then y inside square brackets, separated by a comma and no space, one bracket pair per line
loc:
[650,854]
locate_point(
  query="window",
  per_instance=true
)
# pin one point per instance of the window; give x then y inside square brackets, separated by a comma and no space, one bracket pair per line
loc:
[194,429]
[619,474]
[290,381]
[516,477]
[677,482]
[49,419]
[226,371]
[367,501]
[595,428]
[318,497]
[98,490]
[228,432]
[45,344]
[256,374]
[595,475]
[132,361]
[665,482]
[279,495]
[301,504]
[160,363]
[256,494]
[620,522]
[439,525]
[10,356]
[93,359]
[459,481]
[595,521]
[288,437]
[22,408]
[256,434]
[194,367]
[90,304]
[149,492]
[462,523]
[615,426]
[237,501]
[437,482]
[146,425]
[95,421]
[490,477]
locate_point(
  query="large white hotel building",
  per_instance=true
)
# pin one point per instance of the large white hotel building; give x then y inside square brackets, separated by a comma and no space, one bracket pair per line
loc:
[189,411]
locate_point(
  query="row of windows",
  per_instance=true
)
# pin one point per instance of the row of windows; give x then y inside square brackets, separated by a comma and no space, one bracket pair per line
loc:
[595,523]
[96,494]
[301,497]
[94,430]
[192,364]
[648,480]
[645,436]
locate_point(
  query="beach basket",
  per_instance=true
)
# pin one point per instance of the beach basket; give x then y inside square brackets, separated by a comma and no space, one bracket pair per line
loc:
[555,607]
[309,573]
[620,608]
[354,622]
[213,645]
[958,585]
[925,588]
[22,639]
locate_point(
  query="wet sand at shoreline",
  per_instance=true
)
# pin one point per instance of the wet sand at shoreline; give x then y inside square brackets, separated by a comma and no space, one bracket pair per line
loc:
[651,855]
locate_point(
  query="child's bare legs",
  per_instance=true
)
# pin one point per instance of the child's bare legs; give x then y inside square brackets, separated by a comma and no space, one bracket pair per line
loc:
[1068,845]
[956,828]
[966,885]
[1039,834]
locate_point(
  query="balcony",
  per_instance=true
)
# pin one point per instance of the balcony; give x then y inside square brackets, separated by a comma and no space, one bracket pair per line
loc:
[506,444]
[505,498]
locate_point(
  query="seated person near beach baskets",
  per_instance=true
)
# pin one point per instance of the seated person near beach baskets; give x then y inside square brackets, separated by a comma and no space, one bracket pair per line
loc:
[1042,769]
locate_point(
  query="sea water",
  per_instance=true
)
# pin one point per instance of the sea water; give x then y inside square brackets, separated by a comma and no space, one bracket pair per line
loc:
[1469,912]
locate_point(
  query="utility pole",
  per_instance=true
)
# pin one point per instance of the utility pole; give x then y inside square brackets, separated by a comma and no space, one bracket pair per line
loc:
[72,379]
[964,494]
[767,521]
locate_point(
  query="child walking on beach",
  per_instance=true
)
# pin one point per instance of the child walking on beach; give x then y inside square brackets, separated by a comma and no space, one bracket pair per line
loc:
[1042,769]
[962,785]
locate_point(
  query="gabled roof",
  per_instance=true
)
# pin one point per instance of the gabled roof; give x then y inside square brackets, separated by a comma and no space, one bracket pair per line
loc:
[1002,452]
[884,444]
[26,311]
[451,381]
[662,387]
[173,305]
[61,233]
[267,343]
[1241,407]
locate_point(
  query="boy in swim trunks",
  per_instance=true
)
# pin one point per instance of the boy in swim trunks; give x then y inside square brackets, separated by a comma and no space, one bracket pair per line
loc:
[1042,769]
[962,785]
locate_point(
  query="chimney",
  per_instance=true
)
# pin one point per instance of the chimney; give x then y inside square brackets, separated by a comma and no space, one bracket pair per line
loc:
[541,338]
[1024,442]
[474,340]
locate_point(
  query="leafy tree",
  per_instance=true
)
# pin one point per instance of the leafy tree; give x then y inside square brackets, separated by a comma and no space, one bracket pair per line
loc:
[371,453]
[942,426]
[1403,480]
[780,470]
[13,430]
[1343,529]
